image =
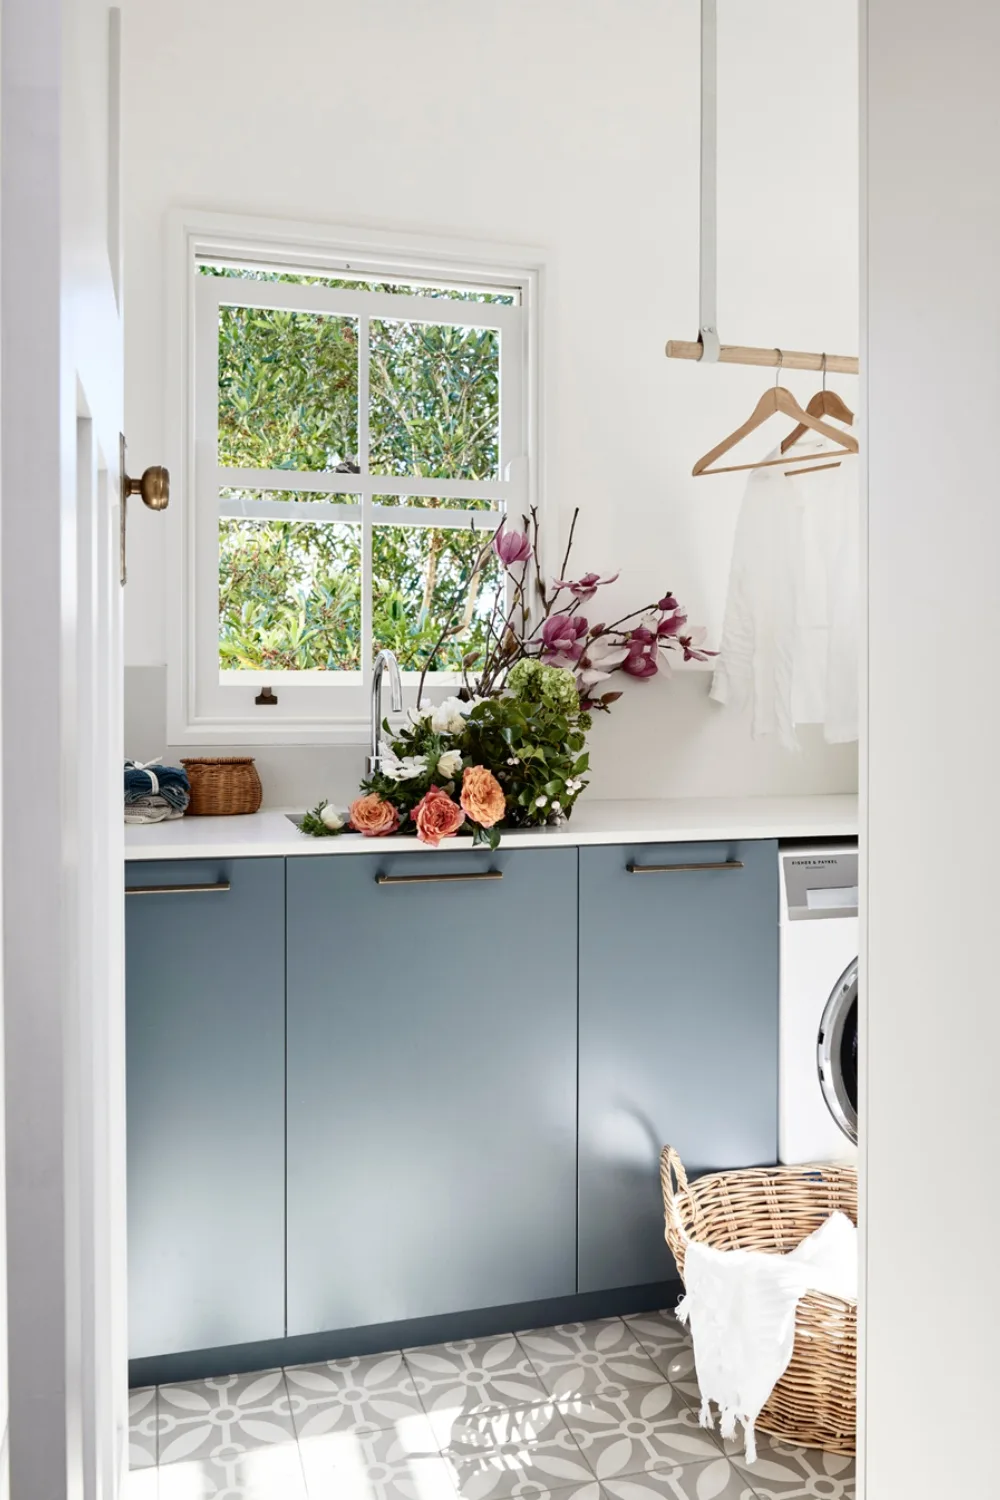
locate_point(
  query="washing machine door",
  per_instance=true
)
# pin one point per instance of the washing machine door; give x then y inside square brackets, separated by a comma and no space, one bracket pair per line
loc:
[837,1052]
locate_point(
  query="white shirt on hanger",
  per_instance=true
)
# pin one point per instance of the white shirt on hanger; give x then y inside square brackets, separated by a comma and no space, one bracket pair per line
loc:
[790,638]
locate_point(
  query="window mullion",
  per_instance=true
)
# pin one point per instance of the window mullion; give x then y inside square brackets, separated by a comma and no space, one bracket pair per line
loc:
[367,602]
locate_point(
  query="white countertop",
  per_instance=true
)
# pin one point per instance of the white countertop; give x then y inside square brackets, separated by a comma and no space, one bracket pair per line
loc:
[680,820]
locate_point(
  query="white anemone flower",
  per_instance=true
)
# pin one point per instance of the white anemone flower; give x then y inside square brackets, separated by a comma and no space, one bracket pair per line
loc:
[407,768]
[449,717]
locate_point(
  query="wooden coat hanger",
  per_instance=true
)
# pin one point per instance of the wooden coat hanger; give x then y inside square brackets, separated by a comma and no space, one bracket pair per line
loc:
[776,399]
[824,404]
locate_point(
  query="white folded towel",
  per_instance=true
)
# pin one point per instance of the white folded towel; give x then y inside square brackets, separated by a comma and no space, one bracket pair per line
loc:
[741,1305]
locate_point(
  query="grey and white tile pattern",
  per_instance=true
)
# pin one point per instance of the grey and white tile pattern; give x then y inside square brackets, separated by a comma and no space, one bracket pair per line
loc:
[142,1428]
[351,1395]
[474,1375]
[580,1359]
[254,1474]
[637,1430]
[401,1463]
[467,1435]
[515,1453]
[223,1417]
[593,1411]
[784,1471]
[716,1479]
[668,1345]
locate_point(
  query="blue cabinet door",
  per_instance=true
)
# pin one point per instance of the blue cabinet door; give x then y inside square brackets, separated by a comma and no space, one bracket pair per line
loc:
[678,1035]
[431,1083]
[205,1010]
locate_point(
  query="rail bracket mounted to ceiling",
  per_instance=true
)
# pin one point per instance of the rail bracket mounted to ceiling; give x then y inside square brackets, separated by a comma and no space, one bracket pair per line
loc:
[708,348]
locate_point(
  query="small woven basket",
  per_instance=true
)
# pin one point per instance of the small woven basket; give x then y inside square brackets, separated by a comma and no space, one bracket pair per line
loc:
[814,1403]
[222,786]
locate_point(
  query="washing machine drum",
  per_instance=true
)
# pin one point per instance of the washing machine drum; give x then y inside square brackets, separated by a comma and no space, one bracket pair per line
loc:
[837,1052]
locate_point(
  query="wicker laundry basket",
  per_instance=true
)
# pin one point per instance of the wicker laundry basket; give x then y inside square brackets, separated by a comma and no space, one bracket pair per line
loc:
[773,1209]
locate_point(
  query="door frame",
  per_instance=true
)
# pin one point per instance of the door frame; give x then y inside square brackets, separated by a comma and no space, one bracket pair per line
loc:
[61,395]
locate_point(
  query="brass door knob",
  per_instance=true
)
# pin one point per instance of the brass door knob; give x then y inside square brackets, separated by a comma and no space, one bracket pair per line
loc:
[154,487]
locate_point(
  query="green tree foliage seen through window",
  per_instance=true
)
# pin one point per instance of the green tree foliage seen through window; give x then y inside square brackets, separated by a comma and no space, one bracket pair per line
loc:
[290,591]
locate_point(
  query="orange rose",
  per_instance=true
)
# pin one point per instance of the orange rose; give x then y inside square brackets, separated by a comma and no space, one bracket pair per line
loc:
[482,796]
[373,816]
[437,817]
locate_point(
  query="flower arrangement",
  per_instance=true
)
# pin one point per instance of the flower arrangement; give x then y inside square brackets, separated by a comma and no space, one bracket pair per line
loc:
[510,749]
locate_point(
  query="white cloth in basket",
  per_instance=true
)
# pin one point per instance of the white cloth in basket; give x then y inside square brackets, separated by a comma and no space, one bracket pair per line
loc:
[740,1306]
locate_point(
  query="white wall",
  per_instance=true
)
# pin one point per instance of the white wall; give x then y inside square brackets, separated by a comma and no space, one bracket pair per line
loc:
[932,1320]
[573,128]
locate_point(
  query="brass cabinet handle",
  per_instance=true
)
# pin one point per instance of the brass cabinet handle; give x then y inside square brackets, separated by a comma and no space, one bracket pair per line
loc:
[434,879]
[174,890]
[726,864]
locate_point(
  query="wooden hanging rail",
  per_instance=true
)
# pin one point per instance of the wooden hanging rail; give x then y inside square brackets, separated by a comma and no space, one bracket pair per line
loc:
[788,359]
[707,346]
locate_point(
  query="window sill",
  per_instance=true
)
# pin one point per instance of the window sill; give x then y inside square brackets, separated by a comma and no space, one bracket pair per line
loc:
[289,732]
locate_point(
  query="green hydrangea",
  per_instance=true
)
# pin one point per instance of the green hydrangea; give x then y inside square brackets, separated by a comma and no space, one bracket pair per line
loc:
[523,677]
[554,686]
[558,688]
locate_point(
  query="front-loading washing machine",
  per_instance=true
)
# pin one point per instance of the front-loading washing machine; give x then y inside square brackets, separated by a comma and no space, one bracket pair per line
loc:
[818,1064]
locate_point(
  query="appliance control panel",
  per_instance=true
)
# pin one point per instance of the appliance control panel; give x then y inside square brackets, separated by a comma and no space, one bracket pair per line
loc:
[818,884]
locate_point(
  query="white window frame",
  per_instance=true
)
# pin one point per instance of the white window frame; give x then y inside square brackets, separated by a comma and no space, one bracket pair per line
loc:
[317,707]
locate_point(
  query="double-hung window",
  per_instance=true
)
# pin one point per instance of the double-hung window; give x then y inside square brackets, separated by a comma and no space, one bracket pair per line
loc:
[357,432]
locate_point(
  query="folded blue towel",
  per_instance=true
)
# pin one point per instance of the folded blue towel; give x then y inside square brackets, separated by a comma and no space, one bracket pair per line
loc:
[153,780]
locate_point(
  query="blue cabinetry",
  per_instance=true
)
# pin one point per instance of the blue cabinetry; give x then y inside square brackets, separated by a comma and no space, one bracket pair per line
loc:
[374,1087]
[431,1084]
[205,977]
[678,1035]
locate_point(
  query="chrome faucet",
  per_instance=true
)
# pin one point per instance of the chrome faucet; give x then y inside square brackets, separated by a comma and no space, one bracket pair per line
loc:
[384,662]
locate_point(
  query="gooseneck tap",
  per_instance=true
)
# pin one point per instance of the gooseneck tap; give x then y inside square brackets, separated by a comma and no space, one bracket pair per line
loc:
[384,662]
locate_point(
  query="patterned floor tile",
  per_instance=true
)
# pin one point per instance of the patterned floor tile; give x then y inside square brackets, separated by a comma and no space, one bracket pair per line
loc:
[716,1480]
[784,1471]
[466,1434]
[222,1418]
[272,1473]
[142,1428]
[403,1464]
[668,1344]
[640,1429]
[589,1490]
[660,1335]
[474,1375]
[351,1395]
[527,1470]
[578,1359]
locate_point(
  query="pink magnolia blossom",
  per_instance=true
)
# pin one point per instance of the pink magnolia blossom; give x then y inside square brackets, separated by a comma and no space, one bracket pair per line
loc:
[667,603]
[643,658]
[511,546]
[692,648]
[599,660]
[583,588]
[561,639]
[672,624]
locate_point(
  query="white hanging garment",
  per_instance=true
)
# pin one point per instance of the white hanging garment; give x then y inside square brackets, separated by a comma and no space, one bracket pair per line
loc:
[790,639]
